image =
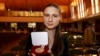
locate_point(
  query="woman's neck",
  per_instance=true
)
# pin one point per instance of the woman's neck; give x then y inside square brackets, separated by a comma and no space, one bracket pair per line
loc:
[51,35]
[51,32]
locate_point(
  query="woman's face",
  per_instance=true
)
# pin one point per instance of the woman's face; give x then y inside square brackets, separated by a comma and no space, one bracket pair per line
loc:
[52,17]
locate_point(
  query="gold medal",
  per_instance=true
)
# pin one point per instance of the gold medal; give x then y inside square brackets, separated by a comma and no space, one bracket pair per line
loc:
[39,50]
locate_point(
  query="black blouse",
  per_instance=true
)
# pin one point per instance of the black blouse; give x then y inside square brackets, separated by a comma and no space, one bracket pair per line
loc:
[65,43]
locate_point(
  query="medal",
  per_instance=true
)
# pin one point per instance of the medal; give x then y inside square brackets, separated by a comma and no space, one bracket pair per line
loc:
[40,49]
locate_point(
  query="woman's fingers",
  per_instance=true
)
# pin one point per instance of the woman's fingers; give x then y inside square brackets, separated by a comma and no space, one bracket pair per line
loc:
[33,54]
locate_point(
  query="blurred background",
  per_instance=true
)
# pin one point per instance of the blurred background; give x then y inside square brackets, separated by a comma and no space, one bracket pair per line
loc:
[80,23]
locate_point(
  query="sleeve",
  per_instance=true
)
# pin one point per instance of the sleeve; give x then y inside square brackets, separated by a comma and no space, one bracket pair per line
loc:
[65,44]
[28,44]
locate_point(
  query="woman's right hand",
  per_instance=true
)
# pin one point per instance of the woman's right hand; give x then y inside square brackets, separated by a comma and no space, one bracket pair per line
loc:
[31,54]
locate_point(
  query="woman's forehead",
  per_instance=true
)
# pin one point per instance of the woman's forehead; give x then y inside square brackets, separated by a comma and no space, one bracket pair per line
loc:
[51,9]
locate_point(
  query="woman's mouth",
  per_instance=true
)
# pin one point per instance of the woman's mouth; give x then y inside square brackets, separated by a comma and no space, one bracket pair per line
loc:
[50,24]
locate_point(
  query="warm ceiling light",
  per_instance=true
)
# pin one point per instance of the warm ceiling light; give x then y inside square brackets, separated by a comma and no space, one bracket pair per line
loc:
[64,8]
[2,6]
[74,3]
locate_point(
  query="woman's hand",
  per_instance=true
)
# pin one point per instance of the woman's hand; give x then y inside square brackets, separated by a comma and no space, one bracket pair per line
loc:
[31,54]
[51,54]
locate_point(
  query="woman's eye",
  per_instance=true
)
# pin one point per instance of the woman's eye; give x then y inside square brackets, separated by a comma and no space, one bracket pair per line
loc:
[46,15]
[55,15]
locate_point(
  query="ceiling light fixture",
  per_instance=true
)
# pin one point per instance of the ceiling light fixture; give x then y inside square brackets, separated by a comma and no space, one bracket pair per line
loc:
[2,6]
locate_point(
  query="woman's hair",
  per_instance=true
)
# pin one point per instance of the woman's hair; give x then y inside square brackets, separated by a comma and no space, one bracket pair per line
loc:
[57,47]
[53,5]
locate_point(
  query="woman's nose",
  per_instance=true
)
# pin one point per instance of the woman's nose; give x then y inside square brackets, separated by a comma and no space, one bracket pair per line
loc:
[50,19]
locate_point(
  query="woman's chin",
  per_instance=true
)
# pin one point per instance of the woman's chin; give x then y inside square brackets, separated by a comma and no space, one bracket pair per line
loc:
[50,28]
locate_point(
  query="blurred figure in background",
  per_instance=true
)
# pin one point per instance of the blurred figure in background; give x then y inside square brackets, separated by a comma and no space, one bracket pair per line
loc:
[89,35]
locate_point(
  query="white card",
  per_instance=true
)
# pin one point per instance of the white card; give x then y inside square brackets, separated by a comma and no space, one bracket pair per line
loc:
[39,38]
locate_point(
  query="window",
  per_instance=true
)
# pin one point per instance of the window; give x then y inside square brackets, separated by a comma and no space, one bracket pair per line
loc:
[31,25]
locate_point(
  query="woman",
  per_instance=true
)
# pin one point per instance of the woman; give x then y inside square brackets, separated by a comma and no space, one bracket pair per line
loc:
[52,16]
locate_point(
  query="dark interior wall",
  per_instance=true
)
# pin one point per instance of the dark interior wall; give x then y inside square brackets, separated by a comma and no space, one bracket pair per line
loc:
[5,25]
[84,25]
[22,26]
[40,26]
[97,25]
[97,29]
[2,26]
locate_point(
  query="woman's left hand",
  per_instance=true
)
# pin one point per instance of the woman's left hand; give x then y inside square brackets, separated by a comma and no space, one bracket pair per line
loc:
[51,54]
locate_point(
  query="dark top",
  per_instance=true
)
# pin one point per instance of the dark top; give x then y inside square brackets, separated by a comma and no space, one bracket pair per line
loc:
[65,42]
